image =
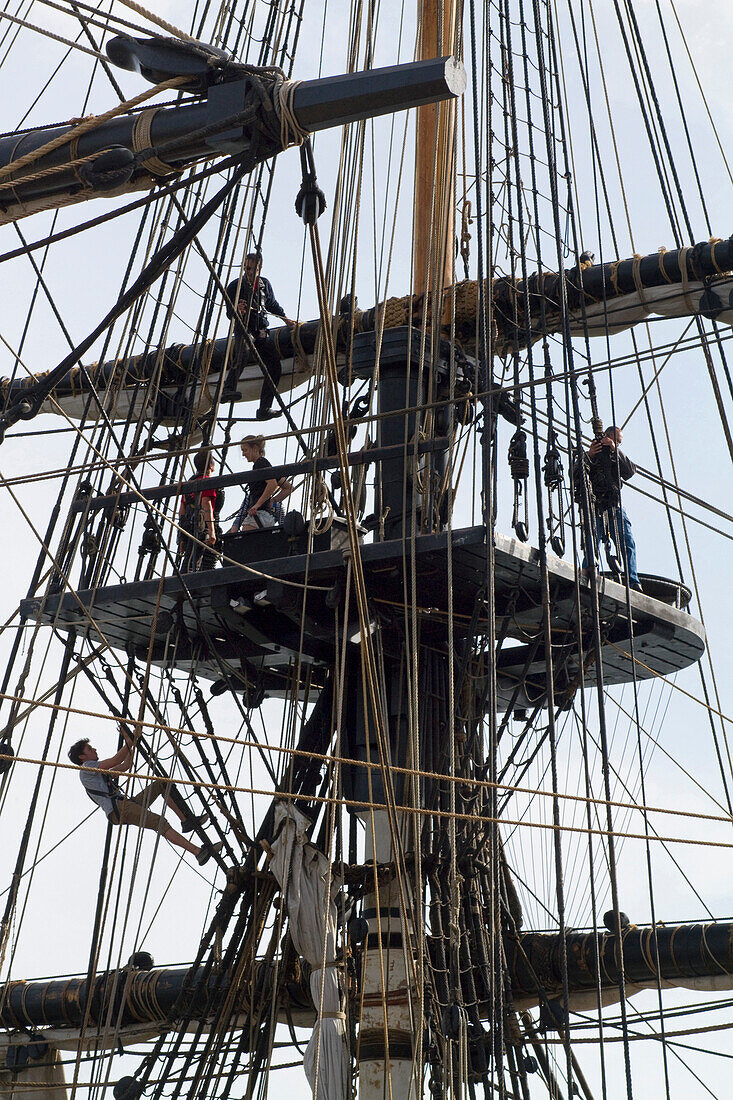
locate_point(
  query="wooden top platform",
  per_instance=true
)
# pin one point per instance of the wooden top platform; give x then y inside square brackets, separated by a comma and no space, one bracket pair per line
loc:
[285,614]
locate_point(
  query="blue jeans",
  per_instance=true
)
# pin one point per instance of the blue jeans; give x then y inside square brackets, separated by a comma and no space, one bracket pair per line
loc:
[622,537]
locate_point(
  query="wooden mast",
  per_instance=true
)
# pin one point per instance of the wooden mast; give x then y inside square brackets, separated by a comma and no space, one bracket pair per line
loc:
[435,170]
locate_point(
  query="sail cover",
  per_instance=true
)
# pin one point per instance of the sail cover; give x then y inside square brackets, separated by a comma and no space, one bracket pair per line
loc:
[309,889]
[603,299]
[617,314]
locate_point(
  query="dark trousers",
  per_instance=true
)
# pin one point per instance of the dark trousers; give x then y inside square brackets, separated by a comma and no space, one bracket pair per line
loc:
[193,557]
[264,345]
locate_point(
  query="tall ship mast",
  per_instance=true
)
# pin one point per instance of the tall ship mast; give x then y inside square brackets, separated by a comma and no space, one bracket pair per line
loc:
[405,780]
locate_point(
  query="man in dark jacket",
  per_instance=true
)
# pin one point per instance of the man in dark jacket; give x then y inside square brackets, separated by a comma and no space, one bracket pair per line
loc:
[607,467]
[253,298]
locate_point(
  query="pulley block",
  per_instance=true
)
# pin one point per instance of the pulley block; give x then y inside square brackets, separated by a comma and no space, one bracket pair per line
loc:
[7,756]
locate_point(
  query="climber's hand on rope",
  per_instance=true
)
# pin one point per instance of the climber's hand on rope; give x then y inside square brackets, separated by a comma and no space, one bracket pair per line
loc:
[129,738]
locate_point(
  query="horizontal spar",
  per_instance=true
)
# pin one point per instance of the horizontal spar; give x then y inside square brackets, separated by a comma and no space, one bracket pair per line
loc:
[245,477]
[688,955]
[336,100]
[697,955]
[601,299]
[234,110]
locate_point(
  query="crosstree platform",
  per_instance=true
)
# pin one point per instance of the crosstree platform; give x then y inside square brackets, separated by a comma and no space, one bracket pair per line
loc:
[267,622]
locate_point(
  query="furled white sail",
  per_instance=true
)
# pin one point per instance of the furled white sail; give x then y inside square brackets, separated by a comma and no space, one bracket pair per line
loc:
[668,301]
[309,888]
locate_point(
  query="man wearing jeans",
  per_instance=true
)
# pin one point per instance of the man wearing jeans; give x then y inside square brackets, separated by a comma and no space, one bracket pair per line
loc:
[607,467]
[104,791]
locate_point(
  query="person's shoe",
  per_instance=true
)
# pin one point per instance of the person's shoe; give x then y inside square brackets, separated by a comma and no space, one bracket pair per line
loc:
[192,821]
[230,396]
[207,851]
[267,414]
[636,587]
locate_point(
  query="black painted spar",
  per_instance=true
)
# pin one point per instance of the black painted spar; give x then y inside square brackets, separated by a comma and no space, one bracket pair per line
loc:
[686,953]
[235,117]
[597,282]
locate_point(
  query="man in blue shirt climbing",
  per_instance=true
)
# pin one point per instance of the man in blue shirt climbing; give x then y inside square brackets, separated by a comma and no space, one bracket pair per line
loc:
[105,792]
[253,298]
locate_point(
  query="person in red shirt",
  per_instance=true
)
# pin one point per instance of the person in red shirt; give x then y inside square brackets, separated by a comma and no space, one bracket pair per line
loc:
[197,517]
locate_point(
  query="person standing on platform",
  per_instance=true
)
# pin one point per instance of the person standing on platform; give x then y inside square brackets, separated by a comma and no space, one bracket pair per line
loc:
[199,516]
[607,468]
[261,506]
[253,299]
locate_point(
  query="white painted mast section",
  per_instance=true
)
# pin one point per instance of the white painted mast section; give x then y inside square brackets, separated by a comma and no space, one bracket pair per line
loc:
[390,1020]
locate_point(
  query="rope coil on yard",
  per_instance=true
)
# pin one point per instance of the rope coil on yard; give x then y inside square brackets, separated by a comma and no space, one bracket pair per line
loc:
[291,132]
[685,279]
[90,123]
[142,139]
[713,242]
[636,273]
[662,268]
[299,351]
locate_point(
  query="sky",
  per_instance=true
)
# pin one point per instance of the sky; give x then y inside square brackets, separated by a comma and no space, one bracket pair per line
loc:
[52,929]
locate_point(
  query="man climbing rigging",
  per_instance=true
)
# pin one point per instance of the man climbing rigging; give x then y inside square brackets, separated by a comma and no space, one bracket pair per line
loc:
[253,298]
[607,467]
[120,810]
